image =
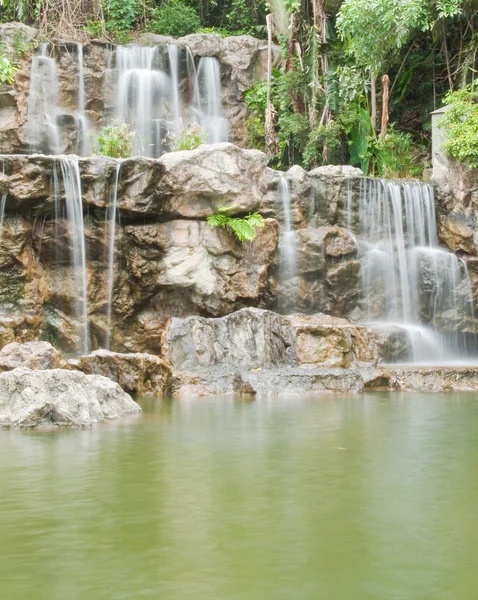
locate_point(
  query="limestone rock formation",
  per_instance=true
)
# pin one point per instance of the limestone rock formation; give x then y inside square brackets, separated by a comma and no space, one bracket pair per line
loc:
[258,351]
[332,342]
[19,328]
[31,355]
[142,374]
[250,338]
[60,398]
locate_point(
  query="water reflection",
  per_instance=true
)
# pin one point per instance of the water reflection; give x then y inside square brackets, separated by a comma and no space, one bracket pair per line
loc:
[344,498]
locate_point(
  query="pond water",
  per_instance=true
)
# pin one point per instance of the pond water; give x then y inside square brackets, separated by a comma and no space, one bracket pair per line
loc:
[341,498]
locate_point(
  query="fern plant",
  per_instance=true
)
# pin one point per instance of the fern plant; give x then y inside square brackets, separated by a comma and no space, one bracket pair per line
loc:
[243,228]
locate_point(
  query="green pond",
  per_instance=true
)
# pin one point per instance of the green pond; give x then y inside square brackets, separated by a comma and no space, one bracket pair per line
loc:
[341,498]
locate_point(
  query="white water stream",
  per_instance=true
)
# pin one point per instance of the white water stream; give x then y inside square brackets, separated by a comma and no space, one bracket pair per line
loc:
[407,280]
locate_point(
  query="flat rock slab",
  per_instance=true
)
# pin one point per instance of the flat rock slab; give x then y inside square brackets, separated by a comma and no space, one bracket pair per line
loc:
[57,397]
[138,373]
[432,379]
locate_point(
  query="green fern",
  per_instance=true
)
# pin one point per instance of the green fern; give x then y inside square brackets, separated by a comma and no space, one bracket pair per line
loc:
[243,228]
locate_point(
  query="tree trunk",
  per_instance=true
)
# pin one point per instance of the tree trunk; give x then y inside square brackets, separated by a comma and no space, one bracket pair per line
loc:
[373,101]
[385,99]
[269,132]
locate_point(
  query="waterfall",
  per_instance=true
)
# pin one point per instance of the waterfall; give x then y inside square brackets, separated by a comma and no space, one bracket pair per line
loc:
[288,237]
[143,93]
[43,132]
[210,103]
[83,144]
[111,219]
[407,280]
[70,173]
[174,69]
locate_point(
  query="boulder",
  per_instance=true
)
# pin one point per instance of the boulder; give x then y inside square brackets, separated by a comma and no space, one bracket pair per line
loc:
[139,373]
[58,397]
[19,328]
[195,183]
[32,355]
[332,342]
[250,338]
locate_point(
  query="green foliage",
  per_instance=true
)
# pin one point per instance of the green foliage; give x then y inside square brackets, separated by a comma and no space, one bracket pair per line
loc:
[20,45]
[174,18]
[395,155]
[373,30]
[7,67]
[116,140]
[122,15]
[243,228]
[188,138]
[460,123]
[244,18]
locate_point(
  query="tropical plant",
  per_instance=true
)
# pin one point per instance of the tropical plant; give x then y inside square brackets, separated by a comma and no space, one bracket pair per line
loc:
[117,140]
[7,68]
[174,18]
[460,124]
[395,155]
[187,138]
[121,15]
[243,228]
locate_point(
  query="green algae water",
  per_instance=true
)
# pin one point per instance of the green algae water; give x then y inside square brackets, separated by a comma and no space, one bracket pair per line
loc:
[338,498]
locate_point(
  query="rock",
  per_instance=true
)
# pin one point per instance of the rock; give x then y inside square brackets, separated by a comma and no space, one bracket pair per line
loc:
[250,338]
[142,374]
[329,342]
[286,381]
[19,328]
[60,398]
[32,355]
[429,379]
[197,182]
[11,33]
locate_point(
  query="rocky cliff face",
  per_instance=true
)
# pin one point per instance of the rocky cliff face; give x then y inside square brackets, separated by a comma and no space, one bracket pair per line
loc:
[242,59]
[167,261]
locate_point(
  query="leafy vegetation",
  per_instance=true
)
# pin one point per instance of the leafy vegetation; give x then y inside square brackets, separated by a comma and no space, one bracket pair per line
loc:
[175,18]
[243,228]
[187,138]
[7,67]
[349,68]
[460,123]
[117,140]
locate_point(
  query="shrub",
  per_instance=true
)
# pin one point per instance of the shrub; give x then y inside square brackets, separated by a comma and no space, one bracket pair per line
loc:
[460,123]
[121,15]
[174,18]
[116,140]
[7,69]
[396,156]
[243,228]
[187,138]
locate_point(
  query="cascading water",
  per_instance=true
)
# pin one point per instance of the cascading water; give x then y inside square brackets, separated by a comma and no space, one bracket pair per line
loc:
[83,144]
[43,131]
[111,220]
[288,237]
[210,103]
[70,173]
[407,280]
[143,93]
[156,91]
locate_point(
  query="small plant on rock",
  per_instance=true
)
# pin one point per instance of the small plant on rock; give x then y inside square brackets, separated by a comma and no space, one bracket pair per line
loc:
[117,140]
[187,138]
[243,228]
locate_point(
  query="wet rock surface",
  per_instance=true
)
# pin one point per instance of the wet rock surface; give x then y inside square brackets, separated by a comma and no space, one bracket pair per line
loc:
[43,399]
[31,355]
[142,374]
